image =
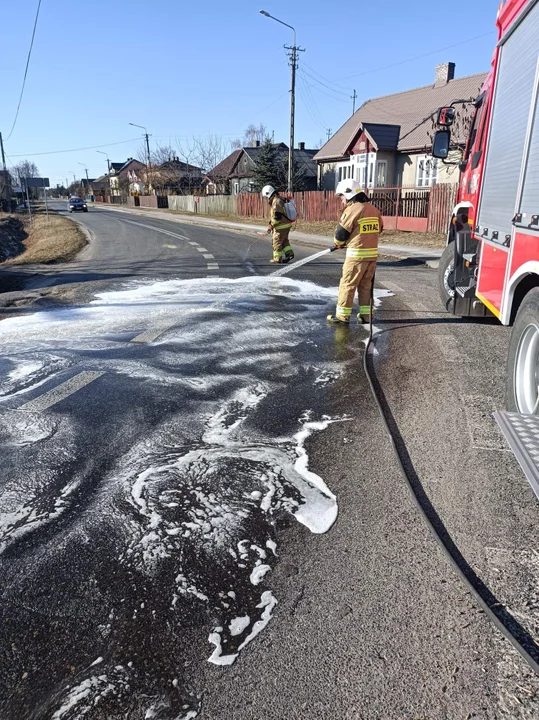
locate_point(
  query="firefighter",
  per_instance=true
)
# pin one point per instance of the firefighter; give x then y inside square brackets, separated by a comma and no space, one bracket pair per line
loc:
[279,225]
[358,231]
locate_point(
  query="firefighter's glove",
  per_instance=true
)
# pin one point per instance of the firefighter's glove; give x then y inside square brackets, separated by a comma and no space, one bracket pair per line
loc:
[338,244]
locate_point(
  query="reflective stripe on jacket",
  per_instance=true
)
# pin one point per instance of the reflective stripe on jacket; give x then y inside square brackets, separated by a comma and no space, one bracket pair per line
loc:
[364,223]
[278,208]
[362,253]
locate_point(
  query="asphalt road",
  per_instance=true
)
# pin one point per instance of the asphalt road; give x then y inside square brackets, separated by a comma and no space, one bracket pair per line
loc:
[155,420]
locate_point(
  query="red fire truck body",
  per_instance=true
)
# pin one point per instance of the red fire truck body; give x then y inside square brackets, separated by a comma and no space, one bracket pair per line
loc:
[492,257]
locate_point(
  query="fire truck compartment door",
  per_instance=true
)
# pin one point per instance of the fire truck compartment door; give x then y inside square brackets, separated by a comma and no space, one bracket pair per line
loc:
[494,261]
[514,95]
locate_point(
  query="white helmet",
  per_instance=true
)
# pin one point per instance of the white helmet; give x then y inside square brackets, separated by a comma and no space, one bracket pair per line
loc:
[349,188]
[268,191]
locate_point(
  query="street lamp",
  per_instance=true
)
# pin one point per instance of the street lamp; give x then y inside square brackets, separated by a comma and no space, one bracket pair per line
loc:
[293,57]
[147,149]
[105,154]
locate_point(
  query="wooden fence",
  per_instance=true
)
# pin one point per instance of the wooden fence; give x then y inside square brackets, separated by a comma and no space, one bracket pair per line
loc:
[407,209]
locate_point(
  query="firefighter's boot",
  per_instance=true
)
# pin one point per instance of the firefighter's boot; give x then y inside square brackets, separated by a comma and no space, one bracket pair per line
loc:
[334,320]
[288,253]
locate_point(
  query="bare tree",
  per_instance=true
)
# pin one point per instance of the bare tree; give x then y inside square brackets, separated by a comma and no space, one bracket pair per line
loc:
[210,151]
[24,169]
[251,135]
[188,152]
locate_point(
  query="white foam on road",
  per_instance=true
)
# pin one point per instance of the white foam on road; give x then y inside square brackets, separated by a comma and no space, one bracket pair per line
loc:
[209,481]
[267,604]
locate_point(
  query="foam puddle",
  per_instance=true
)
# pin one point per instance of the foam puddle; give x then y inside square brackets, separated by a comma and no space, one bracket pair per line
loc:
[188,507]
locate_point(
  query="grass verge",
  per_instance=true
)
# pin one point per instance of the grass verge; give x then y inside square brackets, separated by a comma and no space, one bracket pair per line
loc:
[47,240]
[327,228]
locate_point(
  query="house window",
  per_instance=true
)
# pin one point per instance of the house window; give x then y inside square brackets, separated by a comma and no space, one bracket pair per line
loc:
[236,188]
[427,171]
[381,173]
[340,174]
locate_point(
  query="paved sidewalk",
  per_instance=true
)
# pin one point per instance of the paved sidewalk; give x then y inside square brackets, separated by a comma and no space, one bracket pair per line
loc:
[300,238]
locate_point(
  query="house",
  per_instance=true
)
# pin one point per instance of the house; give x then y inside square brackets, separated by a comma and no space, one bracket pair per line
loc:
[235,174]
[174,177]
[217,181]
[120,174]
[100,186]
[387,142]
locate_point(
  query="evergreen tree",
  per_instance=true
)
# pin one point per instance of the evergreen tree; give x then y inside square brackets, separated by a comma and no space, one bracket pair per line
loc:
[267,169]
[271,168]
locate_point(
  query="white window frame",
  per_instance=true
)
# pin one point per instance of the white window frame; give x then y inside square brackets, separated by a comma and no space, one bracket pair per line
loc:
[426,173]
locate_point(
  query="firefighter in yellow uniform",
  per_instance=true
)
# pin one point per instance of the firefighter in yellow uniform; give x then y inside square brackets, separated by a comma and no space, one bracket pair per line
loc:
[280,226]
[358,231]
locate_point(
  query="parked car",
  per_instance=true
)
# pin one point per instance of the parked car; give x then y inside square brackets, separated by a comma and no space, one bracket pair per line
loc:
[76,204]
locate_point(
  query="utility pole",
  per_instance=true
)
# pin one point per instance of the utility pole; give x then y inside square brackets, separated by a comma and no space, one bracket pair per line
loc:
[3,154]
[354,98]
[294,49]
[87,179]
[108,161]
[147,138]
[328,133]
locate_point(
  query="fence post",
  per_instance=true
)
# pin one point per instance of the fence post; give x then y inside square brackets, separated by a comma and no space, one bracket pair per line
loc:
[397,208]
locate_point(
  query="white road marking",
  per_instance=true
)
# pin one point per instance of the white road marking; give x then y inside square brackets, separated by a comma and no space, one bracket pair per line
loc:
[392,286]
[209,256]
[151,227]
[172,247]
[213,266]
[150,335]
[193,243]
[62,391]
[201,249]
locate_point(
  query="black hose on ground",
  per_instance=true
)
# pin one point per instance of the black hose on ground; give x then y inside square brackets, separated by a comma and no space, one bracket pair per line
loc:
[506,623]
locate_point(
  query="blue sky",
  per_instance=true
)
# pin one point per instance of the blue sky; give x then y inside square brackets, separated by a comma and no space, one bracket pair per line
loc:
[194,68]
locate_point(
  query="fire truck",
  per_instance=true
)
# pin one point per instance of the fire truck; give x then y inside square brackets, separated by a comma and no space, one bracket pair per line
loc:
[491,262]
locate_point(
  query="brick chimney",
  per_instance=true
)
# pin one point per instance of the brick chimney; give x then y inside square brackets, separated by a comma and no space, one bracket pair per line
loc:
[301,146]
[257,143]
[444,73]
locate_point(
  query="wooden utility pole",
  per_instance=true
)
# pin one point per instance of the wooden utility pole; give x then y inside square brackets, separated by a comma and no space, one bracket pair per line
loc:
[3,154]
[354,98]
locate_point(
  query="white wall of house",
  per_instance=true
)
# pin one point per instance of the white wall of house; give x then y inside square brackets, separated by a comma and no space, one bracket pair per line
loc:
[420,170]
[375,169]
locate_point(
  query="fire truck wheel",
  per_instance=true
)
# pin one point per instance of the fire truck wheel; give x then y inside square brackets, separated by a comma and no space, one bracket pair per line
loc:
[445,275]
[523,365]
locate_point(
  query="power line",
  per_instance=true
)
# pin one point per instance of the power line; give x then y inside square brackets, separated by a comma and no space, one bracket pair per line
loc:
[329,87]
[325,78]
[25,71]
[418,57]
[333,97]
[311,108]
[90,147]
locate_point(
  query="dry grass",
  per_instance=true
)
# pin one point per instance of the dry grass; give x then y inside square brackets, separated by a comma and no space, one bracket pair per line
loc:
[327,228]
[55,239]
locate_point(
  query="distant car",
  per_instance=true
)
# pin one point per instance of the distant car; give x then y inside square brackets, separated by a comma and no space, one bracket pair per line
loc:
[76,204]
